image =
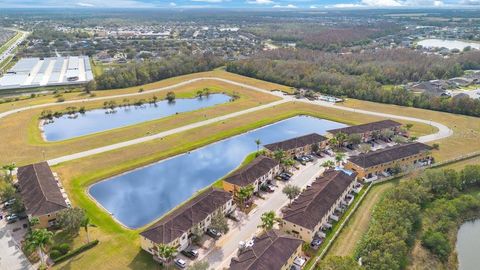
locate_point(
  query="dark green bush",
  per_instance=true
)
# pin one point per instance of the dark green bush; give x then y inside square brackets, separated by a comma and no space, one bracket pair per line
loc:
[76,251]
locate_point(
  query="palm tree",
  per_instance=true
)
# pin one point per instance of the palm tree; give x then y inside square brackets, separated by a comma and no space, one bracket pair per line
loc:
[333,141]
[287,163]
[245,193]
[269,219]
[341,138]
[258,142]
[364,148]
[10,168]
[39,239]
[166,252]
[291,191]
[339,156]
[328,164]
[85,224]
[279,155]
[409,126]
[200,94]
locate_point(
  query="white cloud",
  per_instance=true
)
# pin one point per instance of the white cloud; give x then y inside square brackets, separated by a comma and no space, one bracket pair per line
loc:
[470,2]
[208,1]
[347,5]
[172,4]
[85,4]
[285,6]
[261,2]
[381,3]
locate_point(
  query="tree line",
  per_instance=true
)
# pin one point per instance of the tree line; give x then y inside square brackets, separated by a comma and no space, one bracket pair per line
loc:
[140,73]
[430,206]
[361,75]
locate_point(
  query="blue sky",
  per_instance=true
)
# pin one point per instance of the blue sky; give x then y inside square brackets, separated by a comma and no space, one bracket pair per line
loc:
[253,4]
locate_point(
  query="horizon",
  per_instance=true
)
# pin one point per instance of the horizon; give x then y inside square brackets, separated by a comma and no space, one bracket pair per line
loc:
[272,5]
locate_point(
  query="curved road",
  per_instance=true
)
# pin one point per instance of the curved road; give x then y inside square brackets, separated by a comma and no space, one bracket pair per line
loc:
[443,131]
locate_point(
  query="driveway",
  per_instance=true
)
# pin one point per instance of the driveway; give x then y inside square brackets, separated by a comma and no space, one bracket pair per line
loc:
[226,247]
[11,256]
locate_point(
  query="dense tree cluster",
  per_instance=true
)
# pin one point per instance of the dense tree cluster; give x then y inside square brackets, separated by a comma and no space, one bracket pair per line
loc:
[318,37]
[154,70]
[361,75]
[433,200]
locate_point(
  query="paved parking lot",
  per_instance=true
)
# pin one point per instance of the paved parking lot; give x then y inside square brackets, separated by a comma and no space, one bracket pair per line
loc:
[11,256]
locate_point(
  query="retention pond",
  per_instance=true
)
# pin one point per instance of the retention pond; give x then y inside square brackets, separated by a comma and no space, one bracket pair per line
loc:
[138,197]
[68,126]
[468,245]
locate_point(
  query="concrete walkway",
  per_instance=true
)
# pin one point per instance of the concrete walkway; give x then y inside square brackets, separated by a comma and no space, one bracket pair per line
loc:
[11,256]
[443,131]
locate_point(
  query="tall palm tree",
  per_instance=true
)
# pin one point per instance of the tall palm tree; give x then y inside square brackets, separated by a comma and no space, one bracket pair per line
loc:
[287,163]
[339,156]
[167,252]
[341,138]
[85,224]
[258,142]
[279,155]
[245,193]
[39,239]
[269,219]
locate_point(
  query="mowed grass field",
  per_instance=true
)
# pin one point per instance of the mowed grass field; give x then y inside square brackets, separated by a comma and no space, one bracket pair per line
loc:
[26,144]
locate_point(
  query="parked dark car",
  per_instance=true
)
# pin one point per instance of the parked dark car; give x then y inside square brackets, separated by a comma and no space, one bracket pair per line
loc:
[213,233]
[191,253]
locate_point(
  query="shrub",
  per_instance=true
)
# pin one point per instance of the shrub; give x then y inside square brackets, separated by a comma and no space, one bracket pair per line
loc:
[55,254]
[76,251]
[61,99]
[437,243]
[63,248]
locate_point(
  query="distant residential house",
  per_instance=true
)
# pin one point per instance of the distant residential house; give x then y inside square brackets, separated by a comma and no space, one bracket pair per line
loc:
[313,208]
[40,193]
[366,131]
[433,88]
[461,81]
[383,161]
[271,250]
[298,146]
[256,173]
[176,228]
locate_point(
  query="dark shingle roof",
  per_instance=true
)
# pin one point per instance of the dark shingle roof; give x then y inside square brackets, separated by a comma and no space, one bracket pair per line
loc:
[247,174]
[39,189]
[366,127]
[173,225]
[270,251]
[296,142]
[388,154]
[314,203]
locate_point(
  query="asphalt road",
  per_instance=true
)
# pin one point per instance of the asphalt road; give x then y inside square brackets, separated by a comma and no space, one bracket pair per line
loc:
[11,256]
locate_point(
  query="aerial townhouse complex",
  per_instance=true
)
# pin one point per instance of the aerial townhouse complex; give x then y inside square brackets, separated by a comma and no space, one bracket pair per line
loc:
[256,173]
[381,162]
[371,130]
[41,193]
[272,250]
[298,146]
[175,228]
[313,208]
